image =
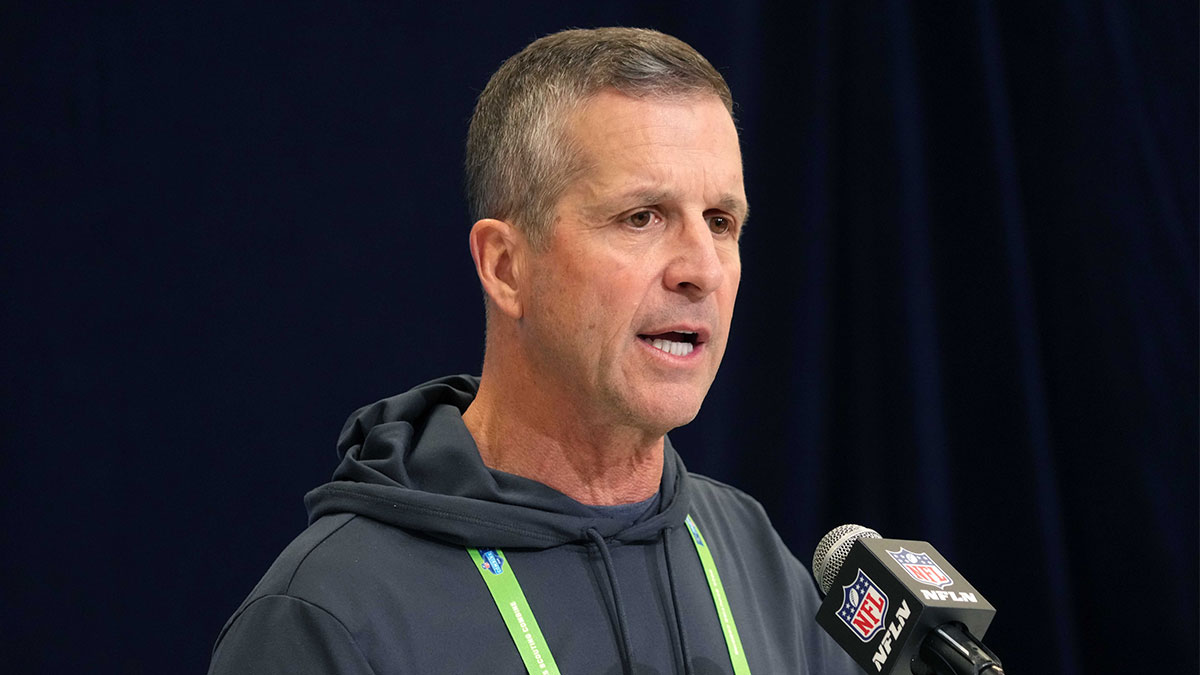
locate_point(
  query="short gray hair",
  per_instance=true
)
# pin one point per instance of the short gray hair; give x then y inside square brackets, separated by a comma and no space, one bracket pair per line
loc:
[519,160]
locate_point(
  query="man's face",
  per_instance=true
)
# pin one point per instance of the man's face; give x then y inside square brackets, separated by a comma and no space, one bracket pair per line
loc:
[629,306]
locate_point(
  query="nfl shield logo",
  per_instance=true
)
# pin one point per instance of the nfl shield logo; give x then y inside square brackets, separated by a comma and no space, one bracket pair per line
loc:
[921,567]
[492,561]
[864,605]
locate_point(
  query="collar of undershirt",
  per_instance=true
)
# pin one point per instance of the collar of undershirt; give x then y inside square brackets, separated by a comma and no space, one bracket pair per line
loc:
[629,513]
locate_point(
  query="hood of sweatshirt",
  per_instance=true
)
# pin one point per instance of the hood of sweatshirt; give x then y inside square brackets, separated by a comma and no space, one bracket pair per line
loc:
[410,461]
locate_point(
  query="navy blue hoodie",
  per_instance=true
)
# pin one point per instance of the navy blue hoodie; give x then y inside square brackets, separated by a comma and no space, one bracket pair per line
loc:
[381,581]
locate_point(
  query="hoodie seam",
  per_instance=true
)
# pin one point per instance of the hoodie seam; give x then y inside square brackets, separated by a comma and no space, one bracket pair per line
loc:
[309,603]
[451,515]
[296,570]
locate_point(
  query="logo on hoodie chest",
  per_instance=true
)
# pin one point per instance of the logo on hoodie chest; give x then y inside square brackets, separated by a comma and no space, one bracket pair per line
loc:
[492,561]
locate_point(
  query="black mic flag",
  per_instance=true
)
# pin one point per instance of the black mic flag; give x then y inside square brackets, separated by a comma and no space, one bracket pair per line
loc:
[898,608]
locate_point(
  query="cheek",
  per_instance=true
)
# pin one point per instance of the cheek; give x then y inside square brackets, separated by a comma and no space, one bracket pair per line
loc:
[733,276]
[610,292]
[554,303]
[611,303]
[592,306]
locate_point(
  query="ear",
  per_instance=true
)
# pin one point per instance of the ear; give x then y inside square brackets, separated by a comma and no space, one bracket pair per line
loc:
[497,248]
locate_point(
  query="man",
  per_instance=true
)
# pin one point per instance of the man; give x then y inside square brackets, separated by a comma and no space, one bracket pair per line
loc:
[536,519]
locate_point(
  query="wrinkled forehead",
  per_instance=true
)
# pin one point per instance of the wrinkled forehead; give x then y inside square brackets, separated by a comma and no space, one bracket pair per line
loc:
[608,104]
[652,146]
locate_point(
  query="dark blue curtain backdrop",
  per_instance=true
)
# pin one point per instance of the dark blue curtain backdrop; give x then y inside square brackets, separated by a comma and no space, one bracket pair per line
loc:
[968,312]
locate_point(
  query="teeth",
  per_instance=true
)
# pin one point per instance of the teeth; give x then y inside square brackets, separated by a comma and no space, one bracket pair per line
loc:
[673,348]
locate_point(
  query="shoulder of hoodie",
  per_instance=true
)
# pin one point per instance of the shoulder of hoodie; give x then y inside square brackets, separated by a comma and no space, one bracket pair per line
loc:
[733,507]
[325,566]
[281,595]
[734,521]
[712,491]
[328,578]
[723,511]
[316,566]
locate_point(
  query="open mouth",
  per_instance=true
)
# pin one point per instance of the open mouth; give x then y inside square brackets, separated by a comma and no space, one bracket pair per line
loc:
[676,343]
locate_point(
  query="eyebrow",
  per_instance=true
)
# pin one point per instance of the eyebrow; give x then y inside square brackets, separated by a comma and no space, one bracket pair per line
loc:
[737,207]
[730,203]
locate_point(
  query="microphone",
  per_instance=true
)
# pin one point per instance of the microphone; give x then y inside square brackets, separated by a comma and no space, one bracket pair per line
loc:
[898,608]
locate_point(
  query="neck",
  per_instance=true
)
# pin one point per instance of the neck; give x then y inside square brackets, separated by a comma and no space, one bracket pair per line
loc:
[540,436]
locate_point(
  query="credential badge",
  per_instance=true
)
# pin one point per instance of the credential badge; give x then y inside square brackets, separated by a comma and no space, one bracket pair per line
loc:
[492,561]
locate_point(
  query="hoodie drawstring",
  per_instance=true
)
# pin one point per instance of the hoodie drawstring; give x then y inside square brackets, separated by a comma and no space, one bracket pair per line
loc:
[622,627]
[683,645]
[622,624]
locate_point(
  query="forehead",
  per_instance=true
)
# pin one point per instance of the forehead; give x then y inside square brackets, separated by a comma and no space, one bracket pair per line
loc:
[648,145]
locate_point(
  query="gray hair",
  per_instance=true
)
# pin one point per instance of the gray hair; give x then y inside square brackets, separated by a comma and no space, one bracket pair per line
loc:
[519,158]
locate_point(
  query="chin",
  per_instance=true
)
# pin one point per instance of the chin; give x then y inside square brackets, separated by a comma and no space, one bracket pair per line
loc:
[663,413]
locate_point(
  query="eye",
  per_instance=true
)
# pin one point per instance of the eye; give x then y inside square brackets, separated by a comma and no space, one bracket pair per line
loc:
[719,224]
[641,219]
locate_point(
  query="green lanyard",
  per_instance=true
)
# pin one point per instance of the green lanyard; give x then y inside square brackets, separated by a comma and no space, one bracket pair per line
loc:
[513,606]
[737,656]
[502,582]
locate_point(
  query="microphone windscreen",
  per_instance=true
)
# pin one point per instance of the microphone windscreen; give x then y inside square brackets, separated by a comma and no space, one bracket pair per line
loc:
[832,551]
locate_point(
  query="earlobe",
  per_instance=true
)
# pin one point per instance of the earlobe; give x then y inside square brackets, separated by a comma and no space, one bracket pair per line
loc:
[495,246]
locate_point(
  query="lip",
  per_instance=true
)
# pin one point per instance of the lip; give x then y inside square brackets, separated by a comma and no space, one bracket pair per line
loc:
[702,334]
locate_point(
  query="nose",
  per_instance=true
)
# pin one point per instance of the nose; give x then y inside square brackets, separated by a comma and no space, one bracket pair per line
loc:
[695,268]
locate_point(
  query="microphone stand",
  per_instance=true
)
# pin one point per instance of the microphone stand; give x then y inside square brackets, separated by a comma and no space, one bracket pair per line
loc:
[951,650]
